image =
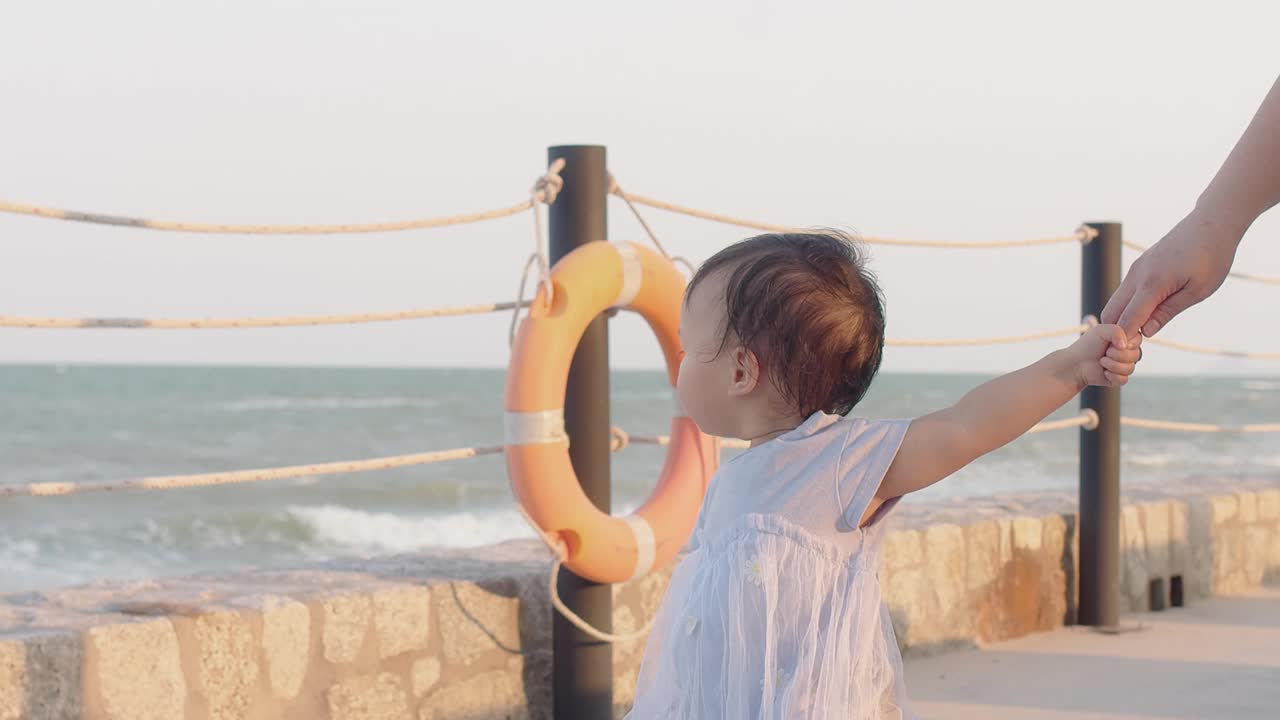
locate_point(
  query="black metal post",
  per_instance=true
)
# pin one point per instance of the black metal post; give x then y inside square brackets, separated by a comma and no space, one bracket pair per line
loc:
[582,667]
[1100,450]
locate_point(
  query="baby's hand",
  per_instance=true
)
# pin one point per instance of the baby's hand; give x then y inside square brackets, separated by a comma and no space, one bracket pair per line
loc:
[1104,356]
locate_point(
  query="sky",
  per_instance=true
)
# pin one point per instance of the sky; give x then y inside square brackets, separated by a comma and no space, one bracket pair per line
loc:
[931,120]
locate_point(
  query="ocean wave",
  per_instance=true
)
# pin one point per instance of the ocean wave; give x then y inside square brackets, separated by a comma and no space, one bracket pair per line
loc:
[1261,384]
[366,531]
[259,404]
[17,549]
[1151,460]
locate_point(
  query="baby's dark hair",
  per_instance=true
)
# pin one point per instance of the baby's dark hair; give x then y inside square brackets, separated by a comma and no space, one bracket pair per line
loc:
[808,308]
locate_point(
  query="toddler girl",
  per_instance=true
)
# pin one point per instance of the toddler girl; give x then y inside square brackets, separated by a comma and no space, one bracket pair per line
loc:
[776,611]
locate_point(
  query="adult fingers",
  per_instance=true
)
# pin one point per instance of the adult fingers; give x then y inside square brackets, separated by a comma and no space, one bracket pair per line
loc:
[1138,309]
[1163,313]
[1119,300]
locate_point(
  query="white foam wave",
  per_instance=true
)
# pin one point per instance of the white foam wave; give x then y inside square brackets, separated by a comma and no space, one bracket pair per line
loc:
[24,550]
[366,531]
[1152,460]
[259,404]
[1261,384]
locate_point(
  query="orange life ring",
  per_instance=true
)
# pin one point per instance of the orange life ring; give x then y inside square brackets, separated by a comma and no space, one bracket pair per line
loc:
[586,282]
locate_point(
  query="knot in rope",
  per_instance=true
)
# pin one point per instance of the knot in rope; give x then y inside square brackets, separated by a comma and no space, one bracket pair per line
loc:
[1090,321]
[548,186]
[618,439]
[1086,234]
[545,188]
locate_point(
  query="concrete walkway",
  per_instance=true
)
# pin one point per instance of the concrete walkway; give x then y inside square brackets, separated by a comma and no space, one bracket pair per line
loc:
[1218,659]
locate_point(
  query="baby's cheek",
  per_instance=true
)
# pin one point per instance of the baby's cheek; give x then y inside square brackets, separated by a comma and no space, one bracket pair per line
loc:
[682,382]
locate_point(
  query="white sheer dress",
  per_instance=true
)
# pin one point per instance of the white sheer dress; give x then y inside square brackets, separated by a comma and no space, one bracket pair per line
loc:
[775,613]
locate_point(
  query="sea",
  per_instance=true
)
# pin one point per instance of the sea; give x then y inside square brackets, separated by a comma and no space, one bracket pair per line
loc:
[76,423]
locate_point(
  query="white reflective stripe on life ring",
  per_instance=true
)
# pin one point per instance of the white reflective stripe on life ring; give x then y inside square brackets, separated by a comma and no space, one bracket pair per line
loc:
[632,273]
[534,428]
[646,546]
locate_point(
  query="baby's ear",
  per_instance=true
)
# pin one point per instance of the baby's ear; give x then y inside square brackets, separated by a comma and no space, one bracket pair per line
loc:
[746,371]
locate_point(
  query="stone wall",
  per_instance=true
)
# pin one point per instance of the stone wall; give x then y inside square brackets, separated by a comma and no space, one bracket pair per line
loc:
[465,635]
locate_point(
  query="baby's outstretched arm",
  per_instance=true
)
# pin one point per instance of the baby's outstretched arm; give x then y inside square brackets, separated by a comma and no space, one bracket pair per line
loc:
[1000,410]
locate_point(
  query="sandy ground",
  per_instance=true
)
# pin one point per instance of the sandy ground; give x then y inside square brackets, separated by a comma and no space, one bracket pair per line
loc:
[1218,659]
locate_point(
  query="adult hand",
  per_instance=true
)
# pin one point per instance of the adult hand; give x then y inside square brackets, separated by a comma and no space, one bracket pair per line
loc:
[1185,267]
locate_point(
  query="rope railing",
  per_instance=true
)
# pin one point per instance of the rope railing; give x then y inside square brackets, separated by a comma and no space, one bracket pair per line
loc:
[171,482]
[140,323]
[1203,349]
[269,229]
[1151,424]
[218,323]
[1081,235]
[997,340]
[1087,419]
[222,323]
[619,440]
[1265,279]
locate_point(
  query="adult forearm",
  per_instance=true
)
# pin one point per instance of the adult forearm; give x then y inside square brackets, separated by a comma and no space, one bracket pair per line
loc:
[1248,183]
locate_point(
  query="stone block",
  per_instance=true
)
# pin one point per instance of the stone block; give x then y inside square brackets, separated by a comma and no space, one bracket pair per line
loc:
[1199,521]
[1180,561]
[913,606]
[902,549]
[228,664]
[369,697]
[624,693]
[534,670]
[346,620]
[494,694]
[1256,540]
[51,662]
[536,614]
[1248,504]
[1156,527]
[1027,534]
[402,620]
[1269,505]
[286,645]
[626,654]
[1225,508]
[1134,570]
[424,675]
[1203,547]
[474,620]
[1054,538]
[652,587]
[945,564]
[1273,559]
[136,668]
[13,680]
[982,554]
[1006,541]
[1228,559]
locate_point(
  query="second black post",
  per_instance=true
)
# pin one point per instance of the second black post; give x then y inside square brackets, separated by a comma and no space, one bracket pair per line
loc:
[1100,450]
[582,674]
